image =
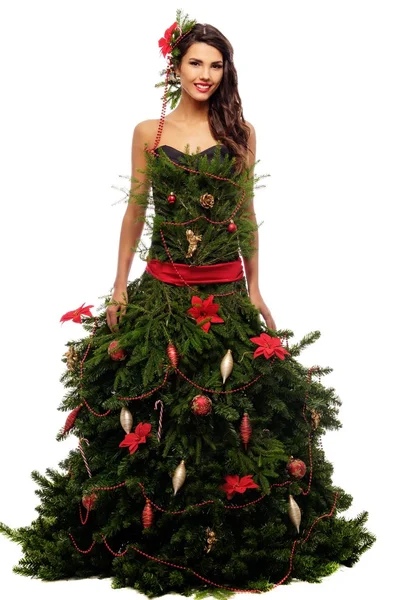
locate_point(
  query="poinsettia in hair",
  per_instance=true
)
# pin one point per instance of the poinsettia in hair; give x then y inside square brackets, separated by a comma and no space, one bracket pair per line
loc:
[132,440]
[75,315]
[205,312]
[235,484]
[269,346]
[165,42]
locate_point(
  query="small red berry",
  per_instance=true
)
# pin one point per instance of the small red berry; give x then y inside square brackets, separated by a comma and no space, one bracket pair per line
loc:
[232,227]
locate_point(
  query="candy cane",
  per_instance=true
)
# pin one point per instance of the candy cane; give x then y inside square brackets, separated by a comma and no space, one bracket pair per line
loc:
[83,455]
[161,416]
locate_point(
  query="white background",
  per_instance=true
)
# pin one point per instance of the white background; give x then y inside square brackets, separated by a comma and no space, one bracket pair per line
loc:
[318,82]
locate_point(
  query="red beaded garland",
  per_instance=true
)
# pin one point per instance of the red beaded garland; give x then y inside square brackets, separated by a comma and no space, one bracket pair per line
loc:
[96,414]
[146,393]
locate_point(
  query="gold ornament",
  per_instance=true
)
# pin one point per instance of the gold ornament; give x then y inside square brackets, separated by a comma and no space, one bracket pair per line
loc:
[211,539]
[173,78]
[179,476]
[193,240]
[72,358]
[207,200]
[315,418]
[126,419]
[294,512]
[226,366]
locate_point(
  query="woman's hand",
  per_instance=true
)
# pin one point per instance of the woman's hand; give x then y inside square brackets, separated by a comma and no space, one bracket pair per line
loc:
[119,299]
[258,302]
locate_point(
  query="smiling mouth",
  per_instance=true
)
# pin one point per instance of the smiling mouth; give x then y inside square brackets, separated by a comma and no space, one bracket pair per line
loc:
[202,88]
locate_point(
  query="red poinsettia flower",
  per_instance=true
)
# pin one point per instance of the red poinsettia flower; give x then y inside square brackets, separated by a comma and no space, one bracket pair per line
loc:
[164,42]
[132,440]
[205,312]
[269,346]
[75,315]
[234,484]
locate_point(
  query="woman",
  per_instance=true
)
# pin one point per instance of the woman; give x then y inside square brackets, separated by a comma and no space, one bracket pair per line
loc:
[237,417]
[209,110]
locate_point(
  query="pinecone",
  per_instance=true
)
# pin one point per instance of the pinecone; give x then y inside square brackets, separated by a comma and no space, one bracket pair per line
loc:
[211,539]
[315,418]
[207,200]
[72,358]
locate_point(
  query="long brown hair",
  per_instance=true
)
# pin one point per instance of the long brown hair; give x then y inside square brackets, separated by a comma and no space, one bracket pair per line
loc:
[225,112]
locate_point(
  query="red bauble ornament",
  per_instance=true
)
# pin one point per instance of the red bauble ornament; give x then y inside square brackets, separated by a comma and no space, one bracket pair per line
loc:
[296,468]
[172,354]
[69,423]
[115,352]
[201,405]
[171,198]
[232,227]
[89,501]
[245,430]
[147,515]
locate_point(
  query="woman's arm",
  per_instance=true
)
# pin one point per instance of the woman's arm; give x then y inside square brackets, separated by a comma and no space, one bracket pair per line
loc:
[251,264]
[131,229]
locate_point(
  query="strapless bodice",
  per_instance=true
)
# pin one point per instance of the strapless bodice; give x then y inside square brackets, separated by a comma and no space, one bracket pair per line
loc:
[174,152]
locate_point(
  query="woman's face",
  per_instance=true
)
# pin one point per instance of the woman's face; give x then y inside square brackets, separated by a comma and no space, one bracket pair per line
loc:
[201,70]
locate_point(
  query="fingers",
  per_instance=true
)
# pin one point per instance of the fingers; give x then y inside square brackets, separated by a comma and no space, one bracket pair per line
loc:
[114,313]
[268,318]
[270,321]
[112,317]
[116,309]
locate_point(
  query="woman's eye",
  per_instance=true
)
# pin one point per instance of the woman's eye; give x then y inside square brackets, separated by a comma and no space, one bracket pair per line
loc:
[215,66]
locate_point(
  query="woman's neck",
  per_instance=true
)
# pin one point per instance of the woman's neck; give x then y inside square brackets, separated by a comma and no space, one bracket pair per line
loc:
[190,111]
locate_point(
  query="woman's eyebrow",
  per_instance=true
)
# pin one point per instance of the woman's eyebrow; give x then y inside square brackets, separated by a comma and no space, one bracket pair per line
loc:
[199,60]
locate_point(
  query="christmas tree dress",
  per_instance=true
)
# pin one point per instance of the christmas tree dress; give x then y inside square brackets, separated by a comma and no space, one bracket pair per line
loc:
[199,466]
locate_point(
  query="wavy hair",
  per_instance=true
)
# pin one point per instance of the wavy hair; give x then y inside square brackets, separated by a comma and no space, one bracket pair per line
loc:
[225,112]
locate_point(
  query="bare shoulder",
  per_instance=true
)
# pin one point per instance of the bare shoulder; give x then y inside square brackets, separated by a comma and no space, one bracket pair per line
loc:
[145,132]
[252,130]
[251,142]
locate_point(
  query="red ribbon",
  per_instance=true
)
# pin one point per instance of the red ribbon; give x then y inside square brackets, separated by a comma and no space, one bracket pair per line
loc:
[195,274]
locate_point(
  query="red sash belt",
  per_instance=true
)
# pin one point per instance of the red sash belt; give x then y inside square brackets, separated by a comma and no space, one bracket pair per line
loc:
[193,274]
